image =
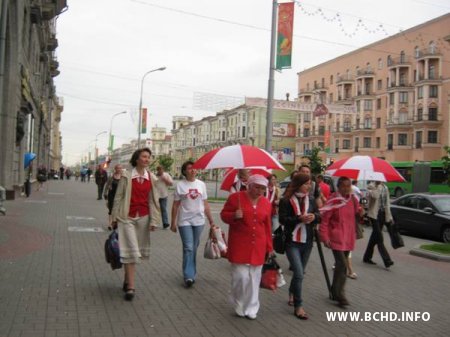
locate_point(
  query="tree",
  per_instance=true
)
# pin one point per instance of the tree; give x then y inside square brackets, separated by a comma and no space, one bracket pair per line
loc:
[315,161]
[446,162]
[165,161]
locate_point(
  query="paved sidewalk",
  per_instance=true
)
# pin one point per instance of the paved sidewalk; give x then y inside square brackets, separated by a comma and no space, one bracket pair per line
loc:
[55,282]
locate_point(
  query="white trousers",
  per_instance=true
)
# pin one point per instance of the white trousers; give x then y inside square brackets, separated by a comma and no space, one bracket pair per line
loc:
[245,280]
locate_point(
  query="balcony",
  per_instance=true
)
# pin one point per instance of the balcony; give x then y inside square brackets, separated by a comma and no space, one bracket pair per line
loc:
[52,43]
[344,79]
[402,85]
[305,92]
[367,73]
[402,61]
[432,78]
[364,93]
[428,53]
[320,87]
[342,129]
[396,123]
[54,64]
[344,100]
[52,8]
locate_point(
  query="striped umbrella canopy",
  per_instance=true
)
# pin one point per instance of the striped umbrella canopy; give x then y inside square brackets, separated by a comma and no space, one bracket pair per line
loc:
[364,168]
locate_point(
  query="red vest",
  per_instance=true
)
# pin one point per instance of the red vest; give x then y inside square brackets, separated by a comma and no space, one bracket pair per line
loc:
[139,198]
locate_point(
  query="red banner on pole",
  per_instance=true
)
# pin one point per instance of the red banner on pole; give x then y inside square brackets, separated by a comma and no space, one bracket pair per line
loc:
[285,32]
[144,121]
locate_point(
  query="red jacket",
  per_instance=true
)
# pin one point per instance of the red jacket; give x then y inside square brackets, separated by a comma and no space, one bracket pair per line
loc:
[339,225]
[249,238]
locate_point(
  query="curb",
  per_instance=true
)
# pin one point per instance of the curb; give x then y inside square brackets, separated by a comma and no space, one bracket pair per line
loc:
[417,251]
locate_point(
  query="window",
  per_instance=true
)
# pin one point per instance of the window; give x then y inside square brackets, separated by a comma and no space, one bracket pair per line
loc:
[346,144]
[403,79]
[389,60]
[420,114]
[367,105]
[321,130]
[357,123]
[418,139]
[323,82]
[367,142]
[432,137]
[347,126]
[431,72]
[331,98]
[305,132]
[433,91]
[243,132]
[378,123]
[379,84]
[378,142]
[402,139]
[391,98]
[307,117]
[438,176]
[432,114]
[378,103]
[403,117]
[420,92]
[331,79]
[367,123]
[411,202]
[416,52]
[402,57]
[403,97]
[337,145]
[432,47]
[390,141]
[338,126]
[358,106]
[380,63]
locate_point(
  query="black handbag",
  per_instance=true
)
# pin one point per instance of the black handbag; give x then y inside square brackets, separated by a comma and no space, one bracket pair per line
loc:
[279,240]
[396,238]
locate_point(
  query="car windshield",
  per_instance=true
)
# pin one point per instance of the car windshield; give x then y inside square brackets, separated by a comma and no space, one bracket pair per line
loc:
[442,203]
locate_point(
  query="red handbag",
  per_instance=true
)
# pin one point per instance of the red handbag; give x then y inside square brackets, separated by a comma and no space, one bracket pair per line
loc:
[269,279]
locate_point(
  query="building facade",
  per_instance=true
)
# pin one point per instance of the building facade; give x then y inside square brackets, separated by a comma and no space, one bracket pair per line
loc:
[397,91]
[30,110]
[245,124]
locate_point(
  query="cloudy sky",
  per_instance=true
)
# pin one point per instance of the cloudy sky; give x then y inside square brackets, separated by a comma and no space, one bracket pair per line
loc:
[208,46]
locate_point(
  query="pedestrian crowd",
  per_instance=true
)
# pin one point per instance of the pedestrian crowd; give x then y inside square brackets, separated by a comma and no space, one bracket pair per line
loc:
[309,209]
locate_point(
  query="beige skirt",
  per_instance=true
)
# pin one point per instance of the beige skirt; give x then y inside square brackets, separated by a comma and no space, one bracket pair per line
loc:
[134,239]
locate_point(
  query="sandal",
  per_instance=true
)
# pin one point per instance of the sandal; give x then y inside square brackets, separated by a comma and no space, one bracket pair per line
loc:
[302,316]
[353,276]
[129,295]
[291,300]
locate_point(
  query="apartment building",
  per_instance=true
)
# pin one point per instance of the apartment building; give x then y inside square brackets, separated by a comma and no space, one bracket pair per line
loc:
[395,93]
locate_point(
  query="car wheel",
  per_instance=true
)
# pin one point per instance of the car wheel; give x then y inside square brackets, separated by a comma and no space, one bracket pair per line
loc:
[445,234]
[399,192]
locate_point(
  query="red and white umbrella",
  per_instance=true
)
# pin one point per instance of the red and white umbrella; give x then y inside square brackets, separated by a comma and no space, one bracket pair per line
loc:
[364,168]
[237,156]
[231,176]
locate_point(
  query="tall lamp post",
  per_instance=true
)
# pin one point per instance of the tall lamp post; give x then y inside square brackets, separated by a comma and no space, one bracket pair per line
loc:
[140,103]
[96,150]
[110,145]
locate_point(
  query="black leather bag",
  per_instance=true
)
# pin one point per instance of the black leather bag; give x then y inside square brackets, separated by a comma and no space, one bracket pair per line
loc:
[279,240]
[396,238]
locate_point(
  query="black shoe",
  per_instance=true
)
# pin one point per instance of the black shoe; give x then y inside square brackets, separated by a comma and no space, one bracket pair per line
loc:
[165,226]
[129,295]
[343,303]
[189,283]
[125,287]
[388,264]
[369,262]
[99,198]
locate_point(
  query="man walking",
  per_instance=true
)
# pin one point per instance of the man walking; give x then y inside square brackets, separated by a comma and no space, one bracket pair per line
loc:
[162,184]
[100,179]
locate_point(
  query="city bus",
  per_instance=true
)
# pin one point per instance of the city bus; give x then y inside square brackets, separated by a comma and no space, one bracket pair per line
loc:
[436,183]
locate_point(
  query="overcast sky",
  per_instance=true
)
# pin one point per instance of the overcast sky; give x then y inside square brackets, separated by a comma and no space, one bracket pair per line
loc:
[208,46]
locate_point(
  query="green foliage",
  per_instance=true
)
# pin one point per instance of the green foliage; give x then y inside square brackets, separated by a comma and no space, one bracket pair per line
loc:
[315,161]
[165,161]
[446,161]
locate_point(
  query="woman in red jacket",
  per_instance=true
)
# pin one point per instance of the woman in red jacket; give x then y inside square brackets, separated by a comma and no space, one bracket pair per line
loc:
[249,243]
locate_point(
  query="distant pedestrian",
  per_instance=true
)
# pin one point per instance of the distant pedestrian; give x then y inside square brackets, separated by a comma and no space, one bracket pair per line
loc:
[298,214]
[136,213]
[324,188]
[162,184]
[109,191]
[41,176]
[2,200]
[88,174]
[100,179]
[77,175]
[379,213]
[273,194]
[83,174]
[338,232]
[241,183]
[61,173]
[189,210]
[248,213]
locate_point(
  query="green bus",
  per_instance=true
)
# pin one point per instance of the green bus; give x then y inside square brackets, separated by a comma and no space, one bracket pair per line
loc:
[420,177]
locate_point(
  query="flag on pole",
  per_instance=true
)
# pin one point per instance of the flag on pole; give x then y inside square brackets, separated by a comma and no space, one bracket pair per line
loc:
[144,121]
[111,143]
[284,32]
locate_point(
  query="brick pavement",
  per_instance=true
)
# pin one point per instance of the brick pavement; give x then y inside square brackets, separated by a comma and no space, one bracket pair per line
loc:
[60,284]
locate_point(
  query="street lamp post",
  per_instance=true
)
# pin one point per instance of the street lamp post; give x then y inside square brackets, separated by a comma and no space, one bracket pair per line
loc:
[140,102]
[96,150]
[110,145]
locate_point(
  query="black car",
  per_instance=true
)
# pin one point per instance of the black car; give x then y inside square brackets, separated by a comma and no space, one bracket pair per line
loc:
[425,215]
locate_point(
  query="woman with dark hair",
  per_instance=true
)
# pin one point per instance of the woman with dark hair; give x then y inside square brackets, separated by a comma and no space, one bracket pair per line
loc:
[110,190]
[298,214]
[189,208]
[135,213]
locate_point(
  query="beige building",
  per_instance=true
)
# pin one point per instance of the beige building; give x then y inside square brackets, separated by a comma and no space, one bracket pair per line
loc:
[245,124]
[396,92]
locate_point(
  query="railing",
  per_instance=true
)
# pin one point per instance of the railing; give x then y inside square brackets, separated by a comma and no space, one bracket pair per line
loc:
[342,78]
[363,72]
[428,52]
[320,86]
[400,60]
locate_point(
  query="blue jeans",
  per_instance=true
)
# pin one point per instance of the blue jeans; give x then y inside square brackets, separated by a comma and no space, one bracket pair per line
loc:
[190,237]
[164,216]
[298,255]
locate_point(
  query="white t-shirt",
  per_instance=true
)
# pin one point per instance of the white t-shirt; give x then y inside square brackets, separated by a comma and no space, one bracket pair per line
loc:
[192,195]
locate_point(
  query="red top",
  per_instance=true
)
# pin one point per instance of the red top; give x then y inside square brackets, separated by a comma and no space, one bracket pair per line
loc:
[325,188]
[249,238]
[140,192]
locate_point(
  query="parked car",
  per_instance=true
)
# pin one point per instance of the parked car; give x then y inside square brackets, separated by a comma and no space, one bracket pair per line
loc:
[423,214]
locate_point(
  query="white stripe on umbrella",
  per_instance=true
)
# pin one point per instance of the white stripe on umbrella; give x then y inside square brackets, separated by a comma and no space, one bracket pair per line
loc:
[222,158]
